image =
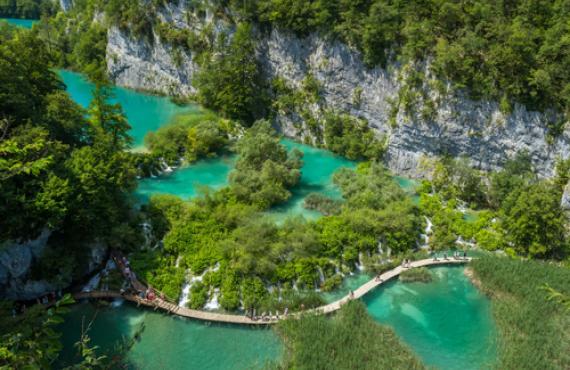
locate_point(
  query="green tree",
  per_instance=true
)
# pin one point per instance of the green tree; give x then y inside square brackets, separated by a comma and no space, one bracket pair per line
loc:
[108,119]
[230,81]
[534,222]
[264,170]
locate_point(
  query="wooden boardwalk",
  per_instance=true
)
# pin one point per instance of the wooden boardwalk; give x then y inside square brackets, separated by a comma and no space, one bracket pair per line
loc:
[174,309]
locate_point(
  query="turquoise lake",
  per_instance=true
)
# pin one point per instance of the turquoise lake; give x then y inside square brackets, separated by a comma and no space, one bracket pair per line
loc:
[446,322]
[318,168]
[24,23]
[145,112]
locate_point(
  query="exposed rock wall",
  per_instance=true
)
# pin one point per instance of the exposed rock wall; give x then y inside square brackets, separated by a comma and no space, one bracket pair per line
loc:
[16,259]
[460,126]
[66,5]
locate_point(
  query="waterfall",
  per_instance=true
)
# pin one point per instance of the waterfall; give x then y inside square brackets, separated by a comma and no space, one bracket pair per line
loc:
[360,265]
[185,296]
[380,251]
[147,233]
[164,167]
[213,303]
[321,275]
[178,259]
[428,226]
[93,283]
[427,232]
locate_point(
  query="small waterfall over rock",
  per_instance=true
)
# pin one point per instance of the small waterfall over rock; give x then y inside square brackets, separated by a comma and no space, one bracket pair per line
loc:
[164,167]
[213,303]
[94,282]
[147,233]
[427,233]
[321,275]
[360,264]
[185,295]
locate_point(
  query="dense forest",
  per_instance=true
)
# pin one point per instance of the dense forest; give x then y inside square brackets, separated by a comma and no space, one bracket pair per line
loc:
[26,9]
[512,51]
[70,170]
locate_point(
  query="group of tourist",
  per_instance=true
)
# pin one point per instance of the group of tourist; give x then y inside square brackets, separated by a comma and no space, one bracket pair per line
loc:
[267,316]
[456,255]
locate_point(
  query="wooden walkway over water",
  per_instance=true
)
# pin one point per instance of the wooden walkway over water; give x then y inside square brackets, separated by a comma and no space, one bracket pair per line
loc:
[174,309]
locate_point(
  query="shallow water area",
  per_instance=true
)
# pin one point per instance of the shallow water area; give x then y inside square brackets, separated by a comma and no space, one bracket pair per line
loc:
[319,165]
[447,322]
[172,343]
[145,112]
[187,181]
[24,23]
[318,168]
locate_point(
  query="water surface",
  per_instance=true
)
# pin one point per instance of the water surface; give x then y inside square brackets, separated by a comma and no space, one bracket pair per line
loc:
[24,23]
[186,182]
[170,342]
[448,322]
[145,112]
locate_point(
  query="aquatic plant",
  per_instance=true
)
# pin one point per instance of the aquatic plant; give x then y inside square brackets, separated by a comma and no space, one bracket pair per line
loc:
[533,329]
[421,274]
[349,340]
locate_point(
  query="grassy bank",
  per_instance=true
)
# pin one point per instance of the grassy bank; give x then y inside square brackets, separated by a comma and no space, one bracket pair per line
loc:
[349,340]
[534,332]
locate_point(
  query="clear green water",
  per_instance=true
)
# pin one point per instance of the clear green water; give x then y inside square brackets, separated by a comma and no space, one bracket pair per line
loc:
[172,343]
[145,112]
[24,23]
[447,322]
[318,167]
[316,176]
[186,182]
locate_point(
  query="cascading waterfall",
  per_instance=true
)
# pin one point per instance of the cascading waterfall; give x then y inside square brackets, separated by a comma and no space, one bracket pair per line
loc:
[321,275]
[147,233]
[360,264]
[213,303]
[164,167]
[94,282]
[185,295]
[427,232]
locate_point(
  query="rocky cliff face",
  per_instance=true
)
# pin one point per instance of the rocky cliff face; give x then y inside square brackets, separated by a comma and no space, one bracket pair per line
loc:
[66,5]
[17,259]
[460,126]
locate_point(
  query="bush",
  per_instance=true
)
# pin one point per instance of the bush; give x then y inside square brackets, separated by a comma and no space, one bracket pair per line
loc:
[421,274]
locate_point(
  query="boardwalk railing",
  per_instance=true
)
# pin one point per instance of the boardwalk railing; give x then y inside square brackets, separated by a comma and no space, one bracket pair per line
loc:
[172,308]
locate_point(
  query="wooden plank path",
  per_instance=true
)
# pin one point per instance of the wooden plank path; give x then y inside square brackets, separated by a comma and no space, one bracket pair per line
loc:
[174,309]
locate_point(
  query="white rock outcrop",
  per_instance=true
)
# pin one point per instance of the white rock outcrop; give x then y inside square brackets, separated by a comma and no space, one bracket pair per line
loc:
[460,126]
